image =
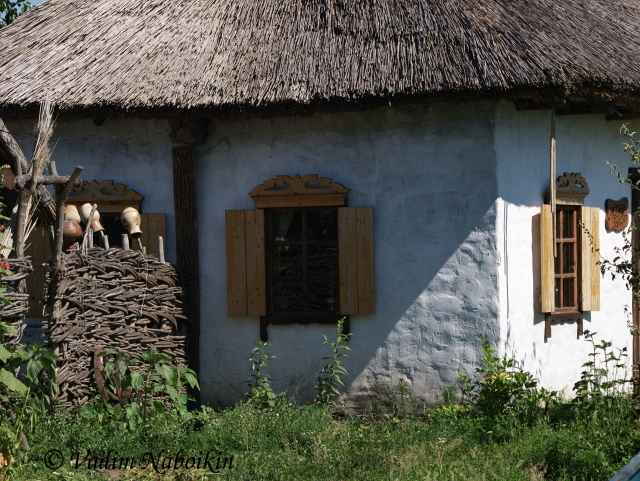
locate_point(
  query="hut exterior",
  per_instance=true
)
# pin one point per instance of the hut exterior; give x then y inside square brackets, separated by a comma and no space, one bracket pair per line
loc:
[435,114]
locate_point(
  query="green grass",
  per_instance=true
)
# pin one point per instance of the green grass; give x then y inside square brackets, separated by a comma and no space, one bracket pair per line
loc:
[291,442]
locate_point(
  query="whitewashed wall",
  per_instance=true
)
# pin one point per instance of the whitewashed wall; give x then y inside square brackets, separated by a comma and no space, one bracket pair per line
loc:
[429,172]
[454,190]
[584,142]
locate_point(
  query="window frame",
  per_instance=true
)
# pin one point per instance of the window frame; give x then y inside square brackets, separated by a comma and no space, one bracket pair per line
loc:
[571,190]
[246,232]
[559,259]
[305,316]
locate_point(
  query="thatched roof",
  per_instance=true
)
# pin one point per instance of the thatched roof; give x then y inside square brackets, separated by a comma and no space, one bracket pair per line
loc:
[214,55]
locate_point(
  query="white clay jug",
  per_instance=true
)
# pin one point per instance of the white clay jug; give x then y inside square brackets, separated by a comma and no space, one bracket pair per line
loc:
[131,220]
[85,212]
[71,213]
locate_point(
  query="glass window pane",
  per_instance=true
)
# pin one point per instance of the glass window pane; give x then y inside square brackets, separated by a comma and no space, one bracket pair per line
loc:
[286,225]
[568,258]
[557,291]
[567,292]
[322,225]
[287,261]
[559,218]
[287,297]
[567,224]
[323,261]
[323,296]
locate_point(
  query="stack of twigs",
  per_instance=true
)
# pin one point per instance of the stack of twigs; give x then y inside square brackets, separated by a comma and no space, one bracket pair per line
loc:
[14,312]
[112,298]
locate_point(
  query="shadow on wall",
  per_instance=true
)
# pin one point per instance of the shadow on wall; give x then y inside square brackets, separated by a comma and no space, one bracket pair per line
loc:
[429,172]
[431,304]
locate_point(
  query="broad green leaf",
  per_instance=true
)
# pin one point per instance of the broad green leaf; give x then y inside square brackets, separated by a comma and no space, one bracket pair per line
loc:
[87,411]
[192,380]
[136,381]
[11,382]
[4,353]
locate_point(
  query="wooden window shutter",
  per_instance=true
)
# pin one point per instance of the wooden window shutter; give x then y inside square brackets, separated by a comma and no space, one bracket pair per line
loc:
[355,240]
[246,289]
[590,299]
[547,281]
[152,227]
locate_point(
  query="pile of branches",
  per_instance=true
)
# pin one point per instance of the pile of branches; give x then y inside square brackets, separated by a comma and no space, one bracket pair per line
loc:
[111,299]
[15,311]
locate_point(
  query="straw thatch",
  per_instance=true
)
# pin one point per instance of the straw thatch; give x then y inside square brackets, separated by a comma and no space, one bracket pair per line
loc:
[219,55]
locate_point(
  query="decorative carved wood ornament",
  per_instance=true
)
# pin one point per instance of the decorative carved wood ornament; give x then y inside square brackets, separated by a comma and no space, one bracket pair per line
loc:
[617,214]
[307,191]
[572,185]
[111,198]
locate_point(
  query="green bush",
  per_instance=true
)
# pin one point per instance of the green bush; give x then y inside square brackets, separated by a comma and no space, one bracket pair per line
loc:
[502,387]
[137,395]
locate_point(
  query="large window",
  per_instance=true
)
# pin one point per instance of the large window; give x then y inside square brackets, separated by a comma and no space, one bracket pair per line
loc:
[302,262]
[302,256]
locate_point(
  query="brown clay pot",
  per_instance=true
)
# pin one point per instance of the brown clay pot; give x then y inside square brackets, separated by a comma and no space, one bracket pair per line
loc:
[71,230]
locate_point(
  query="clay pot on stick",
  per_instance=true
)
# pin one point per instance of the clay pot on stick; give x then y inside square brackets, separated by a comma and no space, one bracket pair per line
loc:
[131,220]
[71,213]
[71,231]
[85,212]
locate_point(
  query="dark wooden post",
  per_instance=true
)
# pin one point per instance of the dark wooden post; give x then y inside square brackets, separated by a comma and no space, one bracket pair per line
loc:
[184,195]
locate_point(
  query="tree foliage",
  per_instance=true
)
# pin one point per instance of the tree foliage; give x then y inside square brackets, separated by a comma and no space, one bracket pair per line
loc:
[11,9]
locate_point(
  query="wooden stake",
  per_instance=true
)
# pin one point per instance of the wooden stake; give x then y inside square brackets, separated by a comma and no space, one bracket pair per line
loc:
[161,248]
[105,240]
[22,180]
[61,198]
[88,232]
[125,242]
[552,186]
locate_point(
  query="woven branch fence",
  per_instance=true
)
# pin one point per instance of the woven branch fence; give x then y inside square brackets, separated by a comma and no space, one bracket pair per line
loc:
[112,298]
[15,312]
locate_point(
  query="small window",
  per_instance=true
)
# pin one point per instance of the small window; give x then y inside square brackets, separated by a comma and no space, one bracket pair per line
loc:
[567,277]
[570,275]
